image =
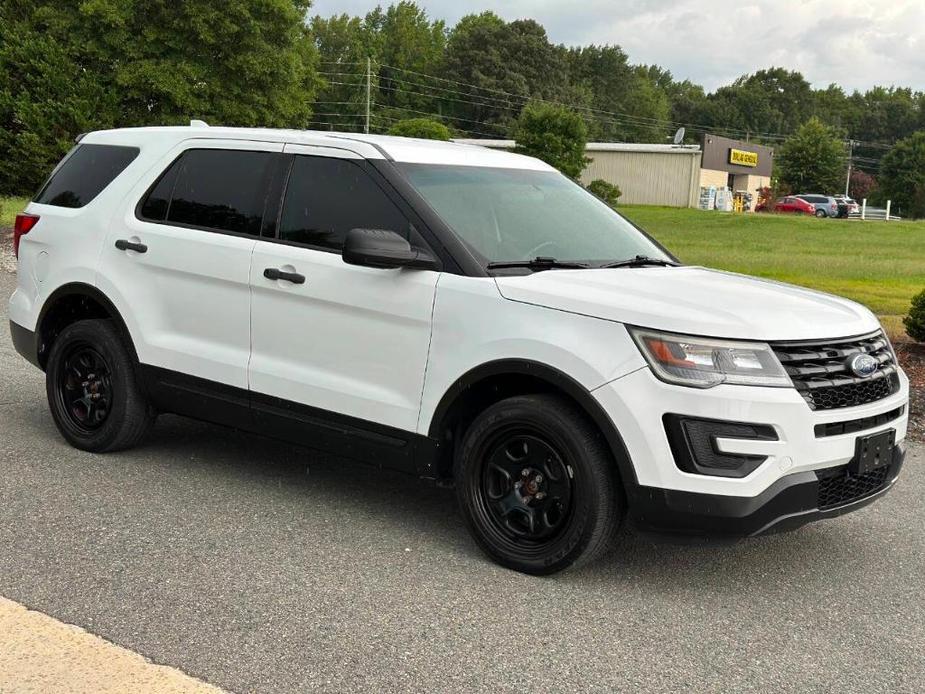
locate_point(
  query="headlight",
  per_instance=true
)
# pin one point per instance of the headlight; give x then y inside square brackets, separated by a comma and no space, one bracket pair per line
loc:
[702,362]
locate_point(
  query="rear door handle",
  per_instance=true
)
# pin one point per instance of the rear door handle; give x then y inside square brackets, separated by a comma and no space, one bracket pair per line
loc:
[272,273]
[126,245]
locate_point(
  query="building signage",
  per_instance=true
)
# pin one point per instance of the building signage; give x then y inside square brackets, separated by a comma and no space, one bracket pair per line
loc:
[740,157]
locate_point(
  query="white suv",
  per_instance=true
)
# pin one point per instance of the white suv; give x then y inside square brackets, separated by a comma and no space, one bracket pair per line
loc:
[462,314]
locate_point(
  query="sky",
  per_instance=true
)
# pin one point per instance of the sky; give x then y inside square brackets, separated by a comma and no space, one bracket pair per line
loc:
[854,43]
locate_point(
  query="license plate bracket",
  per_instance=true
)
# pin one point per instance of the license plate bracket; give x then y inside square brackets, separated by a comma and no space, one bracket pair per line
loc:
[874,451]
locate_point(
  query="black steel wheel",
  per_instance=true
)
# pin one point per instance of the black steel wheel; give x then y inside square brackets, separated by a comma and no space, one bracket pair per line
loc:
[537,485]
[84,387]
[92,391]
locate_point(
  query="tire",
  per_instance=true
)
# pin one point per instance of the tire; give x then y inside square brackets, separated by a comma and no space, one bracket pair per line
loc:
[537,485]
[92,389]
[821,214]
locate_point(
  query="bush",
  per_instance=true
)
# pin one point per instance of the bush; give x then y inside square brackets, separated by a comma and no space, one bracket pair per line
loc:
[554,134]
[915,321]
[424,128]
[608,192]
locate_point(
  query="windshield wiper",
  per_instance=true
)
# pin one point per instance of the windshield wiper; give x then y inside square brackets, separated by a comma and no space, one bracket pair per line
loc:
[538,263]
[641,261]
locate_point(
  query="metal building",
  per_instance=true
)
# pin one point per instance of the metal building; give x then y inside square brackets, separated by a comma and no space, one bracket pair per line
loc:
[646,174]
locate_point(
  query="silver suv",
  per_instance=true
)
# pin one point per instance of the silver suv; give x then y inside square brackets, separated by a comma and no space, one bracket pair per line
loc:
[826,206]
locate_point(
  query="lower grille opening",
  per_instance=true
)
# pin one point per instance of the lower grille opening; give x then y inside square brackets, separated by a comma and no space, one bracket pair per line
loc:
[854,425]
[844,488]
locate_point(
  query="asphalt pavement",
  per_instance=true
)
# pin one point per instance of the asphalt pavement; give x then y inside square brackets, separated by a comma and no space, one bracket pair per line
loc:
[258,566]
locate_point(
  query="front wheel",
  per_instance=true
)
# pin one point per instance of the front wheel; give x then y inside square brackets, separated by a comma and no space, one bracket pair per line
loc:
[537,485]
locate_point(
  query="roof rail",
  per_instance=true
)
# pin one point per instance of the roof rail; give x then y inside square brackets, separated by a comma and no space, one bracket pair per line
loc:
[198,124]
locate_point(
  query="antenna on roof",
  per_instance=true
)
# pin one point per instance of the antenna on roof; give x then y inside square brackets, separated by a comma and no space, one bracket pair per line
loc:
[198,124]
[679,136]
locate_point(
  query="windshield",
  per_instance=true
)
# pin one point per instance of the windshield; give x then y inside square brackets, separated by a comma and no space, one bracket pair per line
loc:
[519,215]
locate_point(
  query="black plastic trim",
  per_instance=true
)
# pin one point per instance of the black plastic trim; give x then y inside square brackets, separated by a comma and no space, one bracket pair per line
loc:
[852,426]
[267,415]
[680,429]
[25,343]
[790,502]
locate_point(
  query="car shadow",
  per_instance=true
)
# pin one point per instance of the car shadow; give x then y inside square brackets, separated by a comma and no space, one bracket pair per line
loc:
[391,503]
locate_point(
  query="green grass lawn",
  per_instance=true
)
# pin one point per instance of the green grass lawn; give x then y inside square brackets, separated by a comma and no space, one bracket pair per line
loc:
[9,208]
[879,264]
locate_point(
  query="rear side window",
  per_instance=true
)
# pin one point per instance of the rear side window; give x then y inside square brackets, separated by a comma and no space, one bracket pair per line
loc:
[84,173]
[326,198]
[218,189]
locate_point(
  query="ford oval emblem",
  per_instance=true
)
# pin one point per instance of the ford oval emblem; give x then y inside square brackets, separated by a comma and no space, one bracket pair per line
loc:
[863,365]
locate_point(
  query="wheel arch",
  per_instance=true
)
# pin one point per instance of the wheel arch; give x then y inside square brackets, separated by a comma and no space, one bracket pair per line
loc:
[72,302]
[493,381]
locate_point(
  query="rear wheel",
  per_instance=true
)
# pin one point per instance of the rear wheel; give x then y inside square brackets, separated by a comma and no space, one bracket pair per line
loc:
[92,391]
[821,213]
[537,486]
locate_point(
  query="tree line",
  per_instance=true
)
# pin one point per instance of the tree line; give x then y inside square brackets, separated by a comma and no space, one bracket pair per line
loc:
[68,66]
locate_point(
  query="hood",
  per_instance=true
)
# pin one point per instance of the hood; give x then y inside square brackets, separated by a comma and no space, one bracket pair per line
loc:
[694,300]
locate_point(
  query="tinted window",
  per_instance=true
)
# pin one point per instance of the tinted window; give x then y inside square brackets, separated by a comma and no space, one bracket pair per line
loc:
[326,198]
[83,174]
[158,200]
[215,189]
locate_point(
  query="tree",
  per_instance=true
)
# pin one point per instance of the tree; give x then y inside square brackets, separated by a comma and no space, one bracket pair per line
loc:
[67,67]
[638,109]
[914,321]
[606,191]
[425,128]
[405,39]
[506,64]
[861,185]
[902,175]
[554,134]
[812,159]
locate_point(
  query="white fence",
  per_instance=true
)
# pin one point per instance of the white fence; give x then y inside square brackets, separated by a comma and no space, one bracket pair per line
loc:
[881,214]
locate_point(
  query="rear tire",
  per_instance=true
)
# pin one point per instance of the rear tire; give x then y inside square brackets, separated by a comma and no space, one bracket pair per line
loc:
[92,389]
[537,485]
[821,214]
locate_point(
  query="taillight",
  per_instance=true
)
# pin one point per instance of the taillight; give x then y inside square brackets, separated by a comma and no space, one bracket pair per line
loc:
[22,226]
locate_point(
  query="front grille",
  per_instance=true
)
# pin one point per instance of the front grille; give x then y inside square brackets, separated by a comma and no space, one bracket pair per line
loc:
[854,425]
[845,488]
[819,371]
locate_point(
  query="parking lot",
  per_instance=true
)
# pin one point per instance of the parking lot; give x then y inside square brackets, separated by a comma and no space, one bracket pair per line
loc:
[261,567]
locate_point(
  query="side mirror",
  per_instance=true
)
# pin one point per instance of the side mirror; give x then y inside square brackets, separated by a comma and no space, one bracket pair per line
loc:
[384,249]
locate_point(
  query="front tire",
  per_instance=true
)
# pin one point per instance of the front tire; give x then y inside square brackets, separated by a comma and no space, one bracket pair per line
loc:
[92,389]
[537,485]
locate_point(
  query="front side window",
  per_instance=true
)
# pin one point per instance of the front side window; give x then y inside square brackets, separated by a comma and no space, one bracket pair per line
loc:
[220,189]
[327,197]
[84,173]
[519,215]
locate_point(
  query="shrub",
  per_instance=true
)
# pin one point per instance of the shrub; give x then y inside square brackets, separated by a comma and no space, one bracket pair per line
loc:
[554,134]
[608,192]
[915,321]
[424,128]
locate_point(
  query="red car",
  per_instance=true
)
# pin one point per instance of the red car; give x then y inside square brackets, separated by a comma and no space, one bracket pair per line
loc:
[789,204]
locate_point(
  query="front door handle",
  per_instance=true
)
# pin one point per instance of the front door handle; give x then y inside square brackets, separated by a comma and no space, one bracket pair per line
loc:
[126,245]
[272,273]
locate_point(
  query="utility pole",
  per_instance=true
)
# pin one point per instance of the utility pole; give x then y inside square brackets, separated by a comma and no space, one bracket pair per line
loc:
[851,144]
[369,79]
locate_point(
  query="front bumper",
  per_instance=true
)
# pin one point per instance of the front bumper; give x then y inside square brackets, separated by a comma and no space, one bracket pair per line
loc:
[792,501]
[782,492]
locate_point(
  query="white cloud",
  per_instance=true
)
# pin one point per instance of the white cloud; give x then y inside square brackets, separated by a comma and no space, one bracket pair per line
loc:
[854,43]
